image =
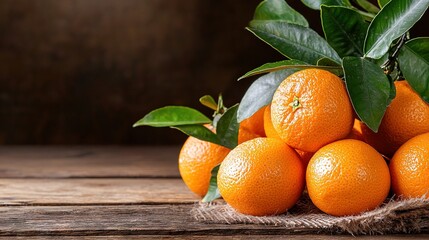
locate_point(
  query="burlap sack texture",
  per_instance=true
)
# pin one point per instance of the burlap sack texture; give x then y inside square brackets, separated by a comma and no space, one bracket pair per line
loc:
[394,216]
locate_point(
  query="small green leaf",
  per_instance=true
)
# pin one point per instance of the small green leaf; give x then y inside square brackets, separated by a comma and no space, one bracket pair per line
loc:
[270,67]
[172,116]
[392,93]
[213,191]
[381,3]
[200,132]
[209,102]
[368,88]
[395,19]
[414,63]
[344,29]
[227,128]
[327,62]
[294,41]
[368,6]
[261,92]
[278,10]
[315,4]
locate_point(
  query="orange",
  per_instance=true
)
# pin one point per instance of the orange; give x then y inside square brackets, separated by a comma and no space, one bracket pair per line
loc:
[305,156]
[268,125]
[255,123]
[263,176]
[347,177]
[310,109]
[196,160]
[246,135]
[271,133]
[356,132]
[406,117]
[409,168]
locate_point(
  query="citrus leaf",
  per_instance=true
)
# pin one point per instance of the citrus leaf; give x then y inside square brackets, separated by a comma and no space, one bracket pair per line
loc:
[327,62]
[261,92]
[209,102]
[278,10]
[172,116]
[270,67]
[315,4]
[200,132]
[368,6]
[213,191]
[344,29]
[381,3]
[414,63]
[395,19]
[368,88]
[294,41]
[227,128]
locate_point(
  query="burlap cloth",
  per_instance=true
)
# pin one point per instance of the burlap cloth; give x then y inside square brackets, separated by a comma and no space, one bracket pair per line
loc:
[394,216]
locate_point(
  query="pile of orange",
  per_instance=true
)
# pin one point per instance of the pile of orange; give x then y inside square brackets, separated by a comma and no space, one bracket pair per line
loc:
[308,138]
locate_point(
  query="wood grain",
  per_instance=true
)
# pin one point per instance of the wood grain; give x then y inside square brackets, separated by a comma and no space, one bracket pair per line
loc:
[93,191]
[166,219]
[152,220]
[234,237]
[87,161]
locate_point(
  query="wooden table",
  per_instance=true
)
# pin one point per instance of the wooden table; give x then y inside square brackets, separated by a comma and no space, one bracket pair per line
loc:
[108,192]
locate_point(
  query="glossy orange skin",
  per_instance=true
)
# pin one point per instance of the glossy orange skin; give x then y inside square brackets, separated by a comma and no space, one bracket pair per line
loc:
[271,133]
[325,113]
[347,177]
[245,135]
[255,123]
[356,132]
[406,117]
[263,176]
[268,125]
[409,168]
[196,160]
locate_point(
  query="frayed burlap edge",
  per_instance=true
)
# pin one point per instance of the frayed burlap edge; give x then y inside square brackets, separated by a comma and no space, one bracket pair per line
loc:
[401,216]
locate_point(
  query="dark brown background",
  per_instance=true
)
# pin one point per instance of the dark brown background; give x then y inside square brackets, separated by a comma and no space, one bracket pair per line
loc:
[83,71]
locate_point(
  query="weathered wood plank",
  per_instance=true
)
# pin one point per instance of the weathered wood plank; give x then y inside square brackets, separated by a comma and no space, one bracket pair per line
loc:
[86,161]
[156,220]
[235,237]
[94,191]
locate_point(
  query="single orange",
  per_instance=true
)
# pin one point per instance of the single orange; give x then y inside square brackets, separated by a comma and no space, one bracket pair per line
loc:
[305,156]
[197,158]
[310,109]
[268,125]
[406,117]
[347,177]
[245,135]
[255,123]
[263,176]
[356,132]
[409,168]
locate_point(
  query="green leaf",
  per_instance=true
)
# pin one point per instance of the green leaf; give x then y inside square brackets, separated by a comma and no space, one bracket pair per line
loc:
[381,3]
[270,67]
[327,62]
[294,41]
[213,191]
[368,88]
[261,92]
[315,4]
[414,63]
[227,128]
[368,6]
[209,102]
[395,19]
[172,116]
[392,93]
[278,10]
[344,29]
[200,132]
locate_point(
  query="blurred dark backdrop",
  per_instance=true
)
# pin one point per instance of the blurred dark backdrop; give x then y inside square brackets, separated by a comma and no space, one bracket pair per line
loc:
[83,71]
